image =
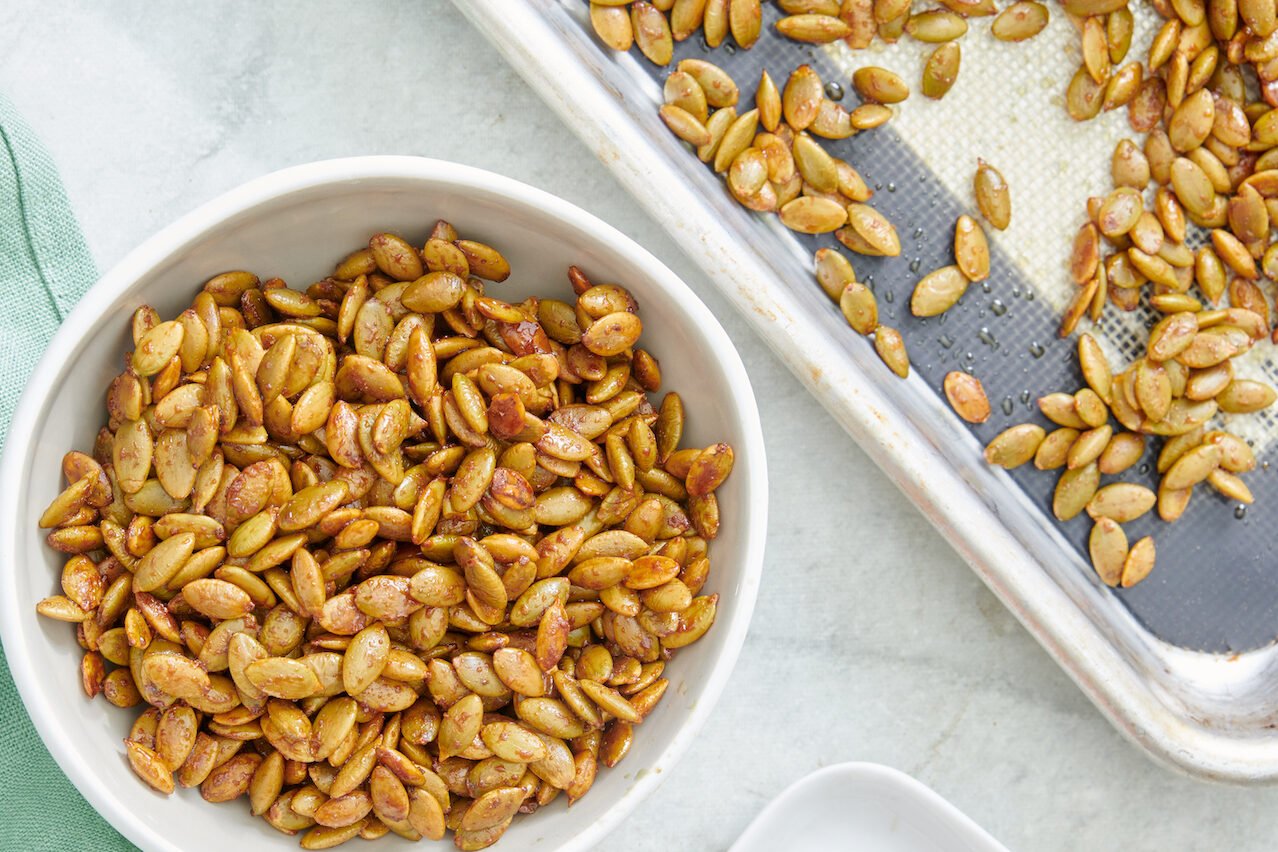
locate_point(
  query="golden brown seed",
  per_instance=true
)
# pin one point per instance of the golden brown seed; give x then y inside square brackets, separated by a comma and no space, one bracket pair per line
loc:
[992,196]
[859,307]
[814,29]
[879,85]
[1121,501]
[652,33]
[890,347]
[1139,562]
[684,125]
[1074,490]
[941,70]
[874,230]
[1015,446]
[1083,96]
[719,88]
[938,291]
[1053,452]
[967,397]
[1019,21]
[971,250]
[612,25]
[812,215]
[1107,545]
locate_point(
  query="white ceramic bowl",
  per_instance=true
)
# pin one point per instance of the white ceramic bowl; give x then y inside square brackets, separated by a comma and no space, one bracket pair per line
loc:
[296,224]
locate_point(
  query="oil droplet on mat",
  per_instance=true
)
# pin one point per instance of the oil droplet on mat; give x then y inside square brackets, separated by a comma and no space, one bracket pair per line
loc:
[833,91]
[889,297]
[1036,350]
[915,264]
[998,308]
[1025,398]
[1144,468]
[1240,511]
[945,340]
[1007,405]
[988,339]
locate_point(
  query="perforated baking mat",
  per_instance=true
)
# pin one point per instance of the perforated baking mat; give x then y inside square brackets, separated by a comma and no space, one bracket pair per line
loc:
[1215,587]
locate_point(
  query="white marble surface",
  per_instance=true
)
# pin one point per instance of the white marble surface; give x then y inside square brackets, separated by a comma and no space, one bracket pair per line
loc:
[889,650]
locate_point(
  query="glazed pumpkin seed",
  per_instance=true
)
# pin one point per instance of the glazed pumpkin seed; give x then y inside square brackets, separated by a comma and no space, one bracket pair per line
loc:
[1192,467]
[1083,96]
[815,165]
[802,97]
[612,25]
[890,347]
[717,126]
[937,26]
[1123,86]
[745,20]
[967,397]
[812,215]
[681,89]
[719,88]
[1088,447]
[736,139]
[1107,545]
[879,85]
[1245,396]
[1015,446]
[1019,21]
[1053,452]
[859,307]
[813,29]
[833,272]
[1095,49]
[684,125]
[874,229]
[1139,562]
[1074,490]
[938,291]
[652,33]
[992,196]
[941,70]
[1121,501]
[971,250]
[767,100]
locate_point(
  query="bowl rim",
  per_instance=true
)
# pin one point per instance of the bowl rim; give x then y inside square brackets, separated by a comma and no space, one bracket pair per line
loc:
[174,238]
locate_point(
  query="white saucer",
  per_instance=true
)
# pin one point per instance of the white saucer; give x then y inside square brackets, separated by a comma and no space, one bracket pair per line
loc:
[863,807]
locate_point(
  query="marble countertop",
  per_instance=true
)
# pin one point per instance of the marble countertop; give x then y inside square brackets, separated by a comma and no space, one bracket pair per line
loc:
[871,639]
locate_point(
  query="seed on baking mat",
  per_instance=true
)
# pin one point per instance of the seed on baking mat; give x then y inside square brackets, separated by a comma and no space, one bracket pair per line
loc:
[992,196]
[1015,446]
[1107,545]
[967,396]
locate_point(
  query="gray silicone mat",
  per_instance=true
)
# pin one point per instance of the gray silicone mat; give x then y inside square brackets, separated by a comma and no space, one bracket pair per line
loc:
[1215,587]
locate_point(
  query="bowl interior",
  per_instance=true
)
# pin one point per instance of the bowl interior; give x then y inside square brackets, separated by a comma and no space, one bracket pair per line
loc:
[296,225]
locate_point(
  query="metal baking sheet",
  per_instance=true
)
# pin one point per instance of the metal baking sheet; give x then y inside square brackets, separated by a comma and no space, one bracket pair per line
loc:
[1181,663]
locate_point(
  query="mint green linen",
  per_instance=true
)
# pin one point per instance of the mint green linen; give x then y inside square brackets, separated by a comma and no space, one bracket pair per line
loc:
[45,268]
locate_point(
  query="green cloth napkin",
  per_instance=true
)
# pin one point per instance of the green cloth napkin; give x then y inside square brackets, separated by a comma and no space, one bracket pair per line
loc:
[45,268]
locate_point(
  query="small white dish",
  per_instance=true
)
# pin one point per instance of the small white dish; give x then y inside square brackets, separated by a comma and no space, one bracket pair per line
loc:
[864,807]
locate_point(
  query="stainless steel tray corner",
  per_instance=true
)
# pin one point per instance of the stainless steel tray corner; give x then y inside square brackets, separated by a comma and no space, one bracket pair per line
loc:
[1207,714]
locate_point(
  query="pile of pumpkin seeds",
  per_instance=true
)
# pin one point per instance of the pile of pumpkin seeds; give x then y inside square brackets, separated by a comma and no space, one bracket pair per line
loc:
[387,555]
